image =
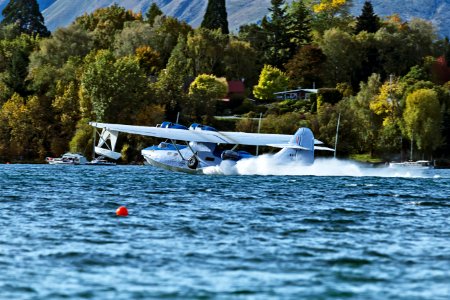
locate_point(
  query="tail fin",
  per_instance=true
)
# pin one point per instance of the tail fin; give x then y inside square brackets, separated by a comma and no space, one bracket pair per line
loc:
[300,147]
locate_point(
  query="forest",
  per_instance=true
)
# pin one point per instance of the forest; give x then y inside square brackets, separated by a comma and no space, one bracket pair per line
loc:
[387,79]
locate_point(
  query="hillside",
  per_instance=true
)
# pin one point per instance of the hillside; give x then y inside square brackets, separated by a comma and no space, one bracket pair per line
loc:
[59,13]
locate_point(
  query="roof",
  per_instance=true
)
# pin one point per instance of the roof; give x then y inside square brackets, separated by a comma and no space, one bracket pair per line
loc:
[236,86]
[298,90]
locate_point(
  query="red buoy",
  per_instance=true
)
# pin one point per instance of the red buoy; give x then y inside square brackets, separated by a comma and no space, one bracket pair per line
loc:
[122,211]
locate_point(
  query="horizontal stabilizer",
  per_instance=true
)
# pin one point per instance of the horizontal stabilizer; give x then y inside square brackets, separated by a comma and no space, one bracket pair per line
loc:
[107,153]
[290,146]
[323,148]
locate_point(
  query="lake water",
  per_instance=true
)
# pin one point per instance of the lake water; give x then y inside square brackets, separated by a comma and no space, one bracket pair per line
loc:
[358,234]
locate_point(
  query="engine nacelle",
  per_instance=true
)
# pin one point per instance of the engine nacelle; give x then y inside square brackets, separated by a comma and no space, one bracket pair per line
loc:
[196,126]
[173,125]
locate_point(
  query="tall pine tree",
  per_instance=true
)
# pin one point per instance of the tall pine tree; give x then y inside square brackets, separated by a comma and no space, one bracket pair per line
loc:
[368,20]
[152,13]
[216,16]
[25,14]
[278,39]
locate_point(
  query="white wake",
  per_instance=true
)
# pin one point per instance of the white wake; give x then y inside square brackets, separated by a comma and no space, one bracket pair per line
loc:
[269,165]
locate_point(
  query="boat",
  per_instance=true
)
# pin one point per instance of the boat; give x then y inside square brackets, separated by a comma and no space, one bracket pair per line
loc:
[101,161]
[419,164]
[67,159]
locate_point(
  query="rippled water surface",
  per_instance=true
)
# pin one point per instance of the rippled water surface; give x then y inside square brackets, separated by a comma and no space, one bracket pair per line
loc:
[221,237]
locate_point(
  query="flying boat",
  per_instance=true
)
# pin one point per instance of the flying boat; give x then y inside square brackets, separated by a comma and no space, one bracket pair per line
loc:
[193,149]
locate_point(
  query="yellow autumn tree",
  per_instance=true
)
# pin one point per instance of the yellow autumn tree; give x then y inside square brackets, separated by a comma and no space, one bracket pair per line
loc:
[329,6]
[387,103]
[423,119]
[329,14]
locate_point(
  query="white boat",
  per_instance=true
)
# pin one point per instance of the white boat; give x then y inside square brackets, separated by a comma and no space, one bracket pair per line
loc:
[419,164]
[67,159]
[101,161]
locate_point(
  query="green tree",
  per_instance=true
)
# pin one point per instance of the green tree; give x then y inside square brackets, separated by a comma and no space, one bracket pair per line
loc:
[216,16]
[305,69]
[255,35]
[369,55]
[26,14]
[152,13]
[204,92]
[330,14]
[14,61]
[368,20]
[240,61]
[173,81]
[66,42]
[271,80]
[114,87]
[166,31]
[423,118]
[16,116]
[277,46]
[337,45]
[403,45]
[149,60]
[134,35]
[287,123]
[299,26]
[206,49]
[367,123]
[104,23]
[41,115]
[67,113]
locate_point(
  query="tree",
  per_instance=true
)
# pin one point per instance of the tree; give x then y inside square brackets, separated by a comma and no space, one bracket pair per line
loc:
[152,13]
[17,116]
[255,35]
[330,14]
[240,61]
[14,61]
[104,23]
[165,34]
[305,68]
[423,119]
[216,16]
[149,60]
[204,92]
[368,124]
[206,49]
[299,26]
[368,20]
[402,45]
[26,14]
[71,41]
[343,57]
[173,81]
[114,87]
[134,35]
[277,46]
[271,80]
[67,113]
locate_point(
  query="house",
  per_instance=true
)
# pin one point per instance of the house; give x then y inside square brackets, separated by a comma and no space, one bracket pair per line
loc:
[298,94]
[236,90]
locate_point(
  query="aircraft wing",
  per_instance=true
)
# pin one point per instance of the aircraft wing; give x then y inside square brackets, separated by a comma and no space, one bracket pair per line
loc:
[203,136]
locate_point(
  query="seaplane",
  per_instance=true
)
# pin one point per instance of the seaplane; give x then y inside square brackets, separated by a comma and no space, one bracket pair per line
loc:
[197,147]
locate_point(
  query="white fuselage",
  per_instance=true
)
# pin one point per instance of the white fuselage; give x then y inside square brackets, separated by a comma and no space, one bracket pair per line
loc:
[191,159]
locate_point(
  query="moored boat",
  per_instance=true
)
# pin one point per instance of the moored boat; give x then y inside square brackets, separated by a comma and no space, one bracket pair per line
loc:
[67,159]
[419,164]
[101,161]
